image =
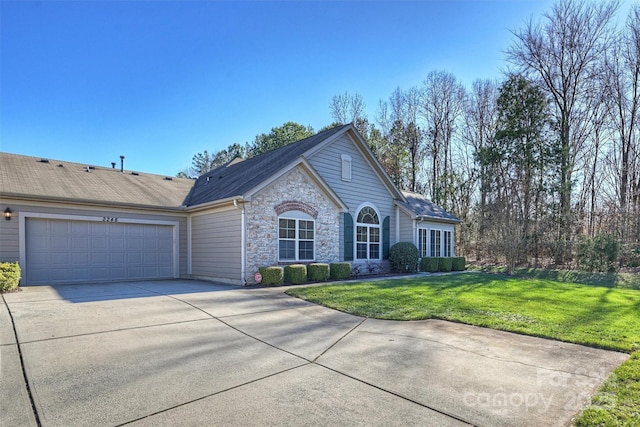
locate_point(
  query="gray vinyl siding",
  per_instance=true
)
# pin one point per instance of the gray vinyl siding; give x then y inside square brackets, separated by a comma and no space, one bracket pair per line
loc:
[406,229]
[216,246]
[9,240]
[365,185]
[9,232]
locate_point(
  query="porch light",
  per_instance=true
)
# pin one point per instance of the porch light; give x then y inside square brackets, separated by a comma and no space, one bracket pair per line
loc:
[8,213]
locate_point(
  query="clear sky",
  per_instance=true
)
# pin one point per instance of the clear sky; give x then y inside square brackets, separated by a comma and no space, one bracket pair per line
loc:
[158,81]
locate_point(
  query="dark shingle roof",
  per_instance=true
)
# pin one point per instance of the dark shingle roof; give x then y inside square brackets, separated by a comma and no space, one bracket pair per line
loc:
[236,179]
[424,208]
[25,176]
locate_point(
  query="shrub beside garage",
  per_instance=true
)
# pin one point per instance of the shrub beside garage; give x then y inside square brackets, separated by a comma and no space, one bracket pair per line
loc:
[10,275]
[272,276]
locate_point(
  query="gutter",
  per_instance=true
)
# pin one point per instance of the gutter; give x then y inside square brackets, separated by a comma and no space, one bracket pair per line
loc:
[70,201]
[228,201]
[423,218]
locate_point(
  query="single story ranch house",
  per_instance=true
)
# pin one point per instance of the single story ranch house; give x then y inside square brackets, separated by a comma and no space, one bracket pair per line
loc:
[322,199]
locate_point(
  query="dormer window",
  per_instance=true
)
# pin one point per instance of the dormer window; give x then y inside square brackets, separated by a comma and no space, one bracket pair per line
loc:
[346,167]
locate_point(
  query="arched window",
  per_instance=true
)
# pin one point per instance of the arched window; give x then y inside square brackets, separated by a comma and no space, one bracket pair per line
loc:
[296,236]
[367,234]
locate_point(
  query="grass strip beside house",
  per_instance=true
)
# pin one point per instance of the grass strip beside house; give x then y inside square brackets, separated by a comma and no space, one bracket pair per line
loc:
[597,316]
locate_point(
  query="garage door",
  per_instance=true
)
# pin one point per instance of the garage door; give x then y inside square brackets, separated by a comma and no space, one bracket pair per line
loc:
[64,251]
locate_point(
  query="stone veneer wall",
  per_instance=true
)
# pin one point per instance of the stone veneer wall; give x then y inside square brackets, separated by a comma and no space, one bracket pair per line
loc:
[262,221]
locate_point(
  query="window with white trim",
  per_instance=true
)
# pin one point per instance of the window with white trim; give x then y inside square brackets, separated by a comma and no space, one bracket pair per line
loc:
[423,245]
[447,243]
[296,237]
[367,234]
[346,167]
[435,243]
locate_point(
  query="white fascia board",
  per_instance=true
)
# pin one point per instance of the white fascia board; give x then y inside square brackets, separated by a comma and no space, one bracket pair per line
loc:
[229,201]
[26,198]
[426,218]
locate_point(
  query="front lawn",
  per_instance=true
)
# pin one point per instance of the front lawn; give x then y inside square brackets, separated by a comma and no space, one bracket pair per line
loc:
[597,316]
[590,315]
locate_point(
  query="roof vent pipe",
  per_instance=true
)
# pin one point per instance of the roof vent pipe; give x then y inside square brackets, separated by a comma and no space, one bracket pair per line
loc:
[113,165]
[121,163]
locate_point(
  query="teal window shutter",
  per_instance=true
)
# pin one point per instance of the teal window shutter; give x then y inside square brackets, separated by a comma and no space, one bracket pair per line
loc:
[348,237]
[385,237]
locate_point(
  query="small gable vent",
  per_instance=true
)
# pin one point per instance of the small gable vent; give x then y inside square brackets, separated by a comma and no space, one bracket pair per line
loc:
[60,165]
[168,178]
[135,173]
[44,160]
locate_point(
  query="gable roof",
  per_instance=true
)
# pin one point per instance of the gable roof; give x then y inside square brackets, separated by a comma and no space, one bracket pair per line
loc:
[46,179]
[32,178]
[237,179]
[422,208]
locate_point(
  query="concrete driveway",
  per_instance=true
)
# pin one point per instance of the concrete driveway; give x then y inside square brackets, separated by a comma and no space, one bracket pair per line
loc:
[195,353]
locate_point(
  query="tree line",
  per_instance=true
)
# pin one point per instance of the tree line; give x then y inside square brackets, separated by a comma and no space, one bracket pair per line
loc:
[536,164]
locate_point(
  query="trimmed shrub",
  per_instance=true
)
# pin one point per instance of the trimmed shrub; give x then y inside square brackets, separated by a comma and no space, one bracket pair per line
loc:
[429,264]
[295,274]
[444,264]
[339,270]
[458,263]
[318,272]
[10,274]
[272,276]
[404,257]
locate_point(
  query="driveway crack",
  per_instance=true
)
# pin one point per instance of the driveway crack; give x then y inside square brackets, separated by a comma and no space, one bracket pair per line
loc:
[396,394]
[211,395]
[339,339]
[239,330]
[24,371]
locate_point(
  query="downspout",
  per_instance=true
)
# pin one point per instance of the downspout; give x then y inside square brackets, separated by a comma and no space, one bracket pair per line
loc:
[243,244]
[397,224]
[416,233]
[189,248]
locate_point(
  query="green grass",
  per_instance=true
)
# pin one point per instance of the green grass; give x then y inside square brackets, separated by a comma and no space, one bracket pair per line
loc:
[609,280]
[591,315]
[602,311]
[617,403]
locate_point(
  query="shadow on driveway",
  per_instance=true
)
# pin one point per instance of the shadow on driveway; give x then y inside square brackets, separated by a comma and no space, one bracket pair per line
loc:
[80,293]
[181,352]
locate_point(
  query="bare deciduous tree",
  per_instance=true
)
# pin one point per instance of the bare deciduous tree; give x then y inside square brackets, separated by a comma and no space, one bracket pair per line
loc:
[480,118]
[562,53]
[347,108]
[622,90]
[442,106]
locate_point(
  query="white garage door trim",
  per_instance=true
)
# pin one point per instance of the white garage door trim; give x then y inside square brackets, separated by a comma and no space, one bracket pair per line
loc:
[22,221]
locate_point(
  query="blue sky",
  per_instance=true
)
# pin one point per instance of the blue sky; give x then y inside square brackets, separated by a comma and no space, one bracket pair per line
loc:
[158,81]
